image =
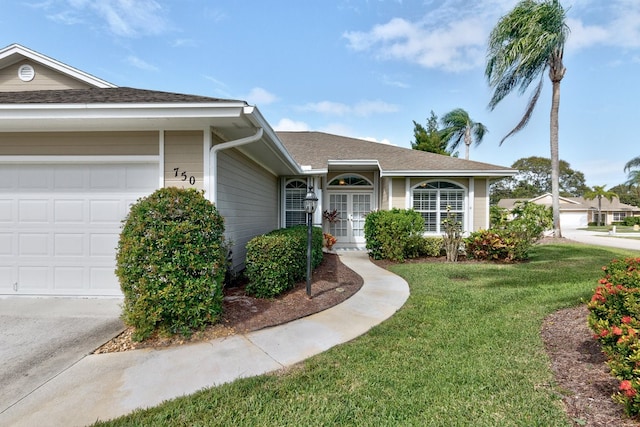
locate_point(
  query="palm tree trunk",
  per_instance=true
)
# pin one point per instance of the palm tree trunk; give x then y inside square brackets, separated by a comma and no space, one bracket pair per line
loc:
[467,141]
[555,158]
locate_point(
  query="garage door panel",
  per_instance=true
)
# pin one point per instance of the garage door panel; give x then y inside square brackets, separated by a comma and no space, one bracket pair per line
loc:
[66,244]
[69,178]
[32,177]
[33,278]
[33,244]
[103,278]
[67,211]
[6,211]
[33,210]
[6,244]
[102,244]
[68,278]
[106,211]
[61,240]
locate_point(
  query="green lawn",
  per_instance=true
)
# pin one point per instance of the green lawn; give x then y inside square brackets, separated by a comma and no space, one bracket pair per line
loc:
[465,350]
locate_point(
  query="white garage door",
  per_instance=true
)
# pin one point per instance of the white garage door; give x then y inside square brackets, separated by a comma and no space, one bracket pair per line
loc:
[573,220]
[59,225]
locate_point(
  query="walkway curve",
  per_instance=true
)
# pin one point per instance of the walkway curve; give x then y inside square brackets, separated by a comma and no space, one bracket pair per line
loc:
[105,386]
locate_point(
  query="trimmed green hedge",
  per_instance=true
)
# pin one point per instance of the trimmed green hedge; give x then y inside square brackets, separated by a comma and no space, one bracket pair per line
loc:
[395,234]
[278,260]
[171,262]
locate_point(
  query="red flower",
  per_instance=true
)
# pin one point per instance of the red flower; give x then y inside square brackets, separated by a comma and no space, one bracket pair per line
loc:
[604,333]
[616,330]
[626,385]
[626,320]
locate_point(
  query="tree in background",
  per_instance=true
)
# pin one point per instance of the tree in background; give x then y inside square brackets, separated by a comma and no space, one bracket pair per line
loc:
[534,179]
[524,44]
[598,192]
[631,164]
[428,139]
[629,192]
[458,127]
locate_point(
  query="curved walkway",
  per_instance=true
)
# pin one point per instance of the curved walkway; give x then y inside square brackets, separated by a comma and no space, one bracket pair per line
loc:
[104,386]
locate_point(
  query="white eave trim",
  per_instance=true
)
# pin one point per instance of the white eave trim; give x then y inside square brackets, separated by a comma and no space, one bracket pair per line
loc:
[123,110]
[16,49]
[450,173]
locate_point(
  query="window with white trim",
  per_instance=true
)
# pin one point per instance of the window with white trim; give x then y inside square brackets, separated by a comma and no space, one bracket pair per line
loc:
[294,193]
[431,200]
[619,216]
[350,181]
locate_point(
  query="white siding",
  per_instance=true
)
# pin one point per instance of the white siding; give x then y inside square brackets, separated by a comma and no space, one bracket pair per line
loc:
[248,199]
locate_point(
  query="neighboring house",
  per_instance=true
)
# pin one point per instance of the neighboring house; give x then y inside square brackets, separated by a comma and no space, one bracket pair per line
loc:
[578,212]
[76,151]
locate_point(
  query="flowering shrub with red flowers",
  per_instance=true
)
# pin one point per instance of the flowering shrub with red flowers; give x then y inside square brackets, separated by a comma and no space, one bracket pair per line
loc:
[615,320]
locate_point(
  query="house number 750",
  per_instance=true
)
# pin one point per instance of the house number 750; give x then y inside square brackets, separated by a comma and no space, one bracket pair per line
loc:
[184,176]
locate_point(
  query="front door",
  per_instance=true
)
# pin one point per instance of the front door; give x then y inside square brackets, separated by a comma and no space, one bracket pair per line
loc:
[352,209]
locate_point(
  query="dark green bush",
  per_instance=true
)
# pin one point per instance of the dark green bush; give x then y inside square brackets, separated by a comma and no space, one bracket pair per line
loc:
[630,221]
[278,260]
[392,234]
[423,246]
[171,261]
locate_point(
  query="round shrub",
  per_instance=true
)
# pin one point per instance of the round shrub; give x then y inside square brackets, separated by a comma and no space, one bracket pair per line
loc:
[171,263]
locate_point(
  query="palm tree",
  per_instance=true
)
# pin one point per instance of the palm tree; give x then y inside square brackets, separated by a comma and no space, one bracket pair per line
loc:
[458,126]
[524,44]
[599,192]
[633,163]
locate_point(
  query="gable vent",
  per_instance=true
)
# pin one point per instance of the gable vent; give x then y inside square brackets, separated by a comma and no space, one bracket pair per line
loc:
[26,73]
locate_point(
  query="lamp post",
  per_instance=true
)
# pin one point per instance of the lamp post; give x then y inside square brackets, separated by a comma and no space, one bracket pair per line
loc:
[310,203]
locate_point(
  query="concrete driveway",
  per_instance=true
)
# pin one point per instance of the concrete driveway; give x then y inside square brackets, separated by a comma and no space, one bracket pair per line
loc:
[602,239]
[42,337]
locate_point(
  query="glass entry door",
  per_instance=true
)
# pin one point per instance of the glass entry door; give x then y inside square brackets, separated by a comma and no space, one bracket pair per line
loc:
[352,209]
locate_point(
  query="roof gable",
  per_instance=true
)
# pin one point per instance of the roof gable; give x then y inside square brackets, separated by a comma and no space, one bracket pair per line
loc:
[56,74]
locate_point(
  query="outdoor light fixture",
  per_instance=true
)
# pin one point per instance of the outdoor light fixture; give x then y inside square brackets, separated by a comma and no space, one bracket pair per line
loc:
[310,203]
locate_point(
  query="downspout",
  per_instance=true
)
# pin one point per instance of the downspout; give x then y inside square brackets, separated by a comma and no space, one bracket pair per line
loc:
[213,160]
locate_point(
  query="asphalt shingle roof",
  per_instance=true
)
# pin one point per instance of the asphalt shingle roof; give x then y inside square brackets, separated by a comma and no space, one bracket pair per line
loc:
[114,95]
[317,148]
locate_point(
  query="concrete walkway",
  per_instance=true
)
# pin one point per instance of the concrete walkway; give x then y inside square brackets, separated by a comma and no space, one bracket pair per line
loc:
[104,386]
[603,239]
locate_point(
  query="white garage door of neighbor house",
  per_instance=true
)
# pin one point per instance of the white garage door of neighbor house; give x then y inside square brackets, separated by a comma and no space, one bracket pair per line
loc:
[59,225]
[572,220]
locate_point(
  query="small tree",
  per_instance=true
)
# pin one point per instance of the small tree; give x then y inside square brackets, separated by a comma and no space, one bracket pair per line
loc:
[598,192]
[452,236]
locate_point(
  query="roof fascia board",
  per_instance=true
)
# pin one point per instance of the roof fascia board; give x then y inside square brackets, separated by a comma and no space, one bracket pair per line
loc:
[16,49]
[255,116]
[449,173]
[76,111]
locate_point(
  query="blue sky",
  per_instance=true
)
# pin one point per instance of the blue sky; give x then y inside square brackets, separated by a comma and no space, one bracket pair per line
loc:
[358,68]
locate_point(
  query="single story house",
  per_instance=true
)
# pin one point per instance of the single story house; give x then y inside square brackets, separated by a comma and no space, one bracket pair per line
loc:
[576,212]
[76,151]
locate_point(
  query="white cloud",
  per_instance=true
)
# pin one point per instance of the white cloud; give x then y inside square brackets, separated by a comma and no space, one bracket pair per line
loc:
[454,46]
[124,18]
[372,139]
[582,36]
[291,125]
[361,109]
[260,96]
[452,34]
[140,63]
